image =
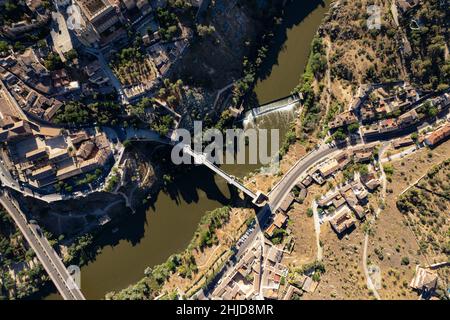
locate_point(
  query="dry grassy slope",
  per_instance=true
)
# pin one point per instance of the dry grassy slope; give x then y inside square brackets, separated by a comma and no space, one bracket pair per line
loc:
[392,235]
[344,275]
[354,50]
[428,214]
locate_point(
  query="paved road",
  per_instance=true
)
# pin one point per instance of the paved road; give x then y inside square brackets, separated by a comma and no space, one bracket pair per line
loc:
[112,77]
[278,193]
[400,155]
[281,190]
[44,251]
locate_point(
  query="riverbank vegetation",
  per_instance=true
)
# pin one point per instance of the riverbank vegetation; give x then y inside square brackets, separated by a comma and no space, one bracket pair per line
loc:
[210,222]
[79,251]
[183,264]
[313,73]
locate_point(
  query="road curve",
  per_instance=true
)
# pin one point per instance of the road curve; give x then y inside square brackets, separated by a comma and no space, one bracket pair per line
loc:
[289,180]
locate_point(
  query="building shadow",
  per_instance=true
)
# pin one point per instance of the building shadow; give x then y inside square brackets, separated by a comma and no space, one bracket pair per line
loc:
[346,232]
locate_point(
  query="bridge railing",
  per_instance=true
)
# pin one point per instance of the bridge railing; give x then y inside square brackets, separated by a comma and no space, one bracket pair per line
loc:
[219,171]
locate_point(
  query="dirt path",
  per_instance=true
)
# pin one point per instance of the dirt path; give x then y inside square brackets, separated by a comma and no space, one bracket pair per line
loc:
[328,76]
[317,229]
[210,256]
[369,281]
[219,93]
[327,80]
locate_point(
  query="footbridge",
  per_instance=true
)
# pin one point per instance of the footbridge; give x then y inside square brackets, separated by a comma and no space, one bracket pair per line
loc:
[258,198]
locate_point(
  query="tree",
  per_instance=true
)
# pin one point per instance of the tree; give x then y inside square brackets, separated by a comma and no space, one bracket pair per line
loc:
[42,43]
[318,64]
[3,47]
[19,47]
[167,178]
[127,144]
[364,170]
[204,31]
[53,62]
[354,127]
[71,55]
[388,169]
[405,261]
[339,135]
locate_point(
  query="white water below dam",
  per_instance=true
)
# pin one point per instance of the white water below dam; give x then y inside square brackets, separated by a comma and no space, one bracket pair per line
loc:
[272,115]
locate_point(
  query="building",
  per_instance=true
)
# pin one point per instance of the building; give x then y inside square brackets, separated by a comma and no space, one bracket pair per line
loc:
[307,181]
[424,280]
[287,203]
[100,19]
[129,4]
[279,222]
[363,153]
[309,285]
[344,158]
[85,150]
[438,136]
[342,221]
[343,119]
[13,129]
[43,156]
[302,194]
[408,118]
[370,182]
[403,142]
[19,29]
[388,125]
[327,200]
[329,167]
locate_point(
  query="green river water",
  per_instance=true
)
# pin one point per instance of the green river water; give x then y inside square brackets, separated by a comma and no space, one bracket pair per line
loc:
[147,239]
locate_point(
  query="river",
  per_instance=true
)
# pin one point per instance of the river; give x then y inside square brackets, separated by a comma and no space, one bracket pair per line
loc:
[147,239]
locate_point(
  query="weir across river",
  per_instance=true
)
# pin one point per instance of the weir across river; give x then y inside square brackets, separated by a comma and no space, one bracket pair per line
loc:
[278,104]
